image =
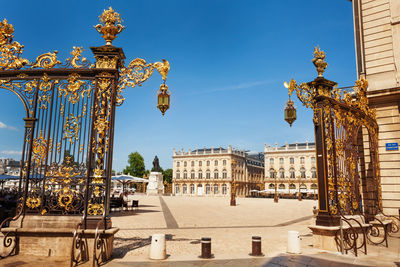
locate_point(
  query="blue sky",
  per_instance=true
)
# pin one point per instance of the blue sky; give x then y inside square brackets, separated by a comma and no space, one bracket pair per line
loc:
[228,60]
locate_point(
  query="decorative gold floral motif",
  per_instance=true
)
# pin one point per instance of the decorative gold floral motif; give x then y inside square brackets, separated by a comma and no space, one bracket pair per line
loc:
[47,60]
[39,149]
[64,173]
[95,208]
[98,176]
[111,25]
[319,61]
[71,128]
[65,198]
[33,202]
[106,62]
[72,89]
[75,60]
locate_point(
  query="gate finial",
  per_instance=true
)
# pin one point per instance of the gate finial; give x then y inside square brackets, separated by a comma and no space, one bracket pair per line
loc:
[110,26]
[319,61]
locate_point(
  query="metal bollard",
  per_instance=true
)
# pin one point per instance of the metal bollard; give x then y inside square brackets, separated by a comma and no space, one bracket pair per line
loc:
[256,246]
[205,247]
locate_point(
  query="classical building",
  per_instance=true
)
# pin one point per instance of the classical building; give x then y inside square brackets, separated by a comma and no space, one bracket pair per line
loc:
[377,38]
[211,171]
[291,168]
[10,167]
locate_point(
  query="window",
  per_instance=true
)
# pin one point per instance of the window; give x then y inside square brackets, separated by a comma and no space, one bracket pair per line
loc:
[291,160]
[192,189]
[292,186]
[312,159]
[271,161]
[282,186]
[281,173]
[215,189]
[224,174]
[184,189]
[208,175]
[303,188]
[314,187]
[224,189]
[216,163]
[178,164]
[303,173]
[208,163]
[313,173]
[224,162]
[200,175]
[302,160]
[192,163]
[184,164]
[271,186]
[177,175]
[200,163]
[215,174]
[177,189]
[192,175]
[185,174]
[271,173]
[292,173]
[207,189]
[281,161]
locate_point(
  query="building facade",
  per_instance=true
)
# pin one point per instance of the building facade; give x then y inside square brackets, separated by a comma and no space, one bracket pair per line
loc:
[377,38]
[291,168]
[10,167]
[211,172]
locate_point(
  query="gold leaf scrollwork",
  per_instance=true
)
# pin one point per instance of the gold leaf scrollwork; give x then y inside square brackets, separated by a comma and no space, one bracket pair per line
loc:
[65,198]
[11,52]
[71,128]
[33,202]
[47,60]
[72,88]
[106,62]
[76,61]
[98,176]
[39,149]
[95,208]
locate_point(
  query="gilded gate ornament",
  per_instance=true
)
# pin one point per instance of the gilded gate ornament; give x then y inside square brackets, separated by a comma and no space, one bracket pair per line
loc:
[39,149]
[71,128]
[110,25]
[47,60]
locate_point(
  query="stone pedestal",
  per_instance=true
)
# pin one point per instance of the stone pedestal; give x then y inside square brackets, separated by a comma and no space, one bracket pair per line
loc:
[324,237]
[155,185]
[52,235]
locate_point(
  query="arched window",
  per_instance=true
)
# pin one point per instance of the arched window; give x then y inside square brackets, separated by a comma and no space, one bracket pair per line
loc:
[177,189]
[292,186]
[208,174]
[224,162]
[200,163]
[313,172]
[314,187]
[192,174]
[178,164]
[215,189]
[271,186]
[216,163]
[303,188]
[208,163]
[184,189]
[303,173]
[282,186]
[184,174]
[224,189]
[224,174]
[192,189]
[291,160]
[192,163]
[177,175]
[281,161]
[281,173]
[271,161]
[292,173]
[207,189]
[200,175]
[271,173]
[312,159]
[215,174]
[302,160]
[184,164]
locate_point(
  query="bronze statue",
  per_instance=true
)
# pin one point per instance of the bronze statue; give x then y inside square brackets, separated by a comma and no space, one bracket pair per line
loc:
[156,165]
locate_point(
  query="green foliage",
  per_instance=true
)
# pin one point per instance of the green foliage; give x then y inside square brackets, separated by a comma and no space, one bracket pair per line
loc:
[168,175]
[136,165]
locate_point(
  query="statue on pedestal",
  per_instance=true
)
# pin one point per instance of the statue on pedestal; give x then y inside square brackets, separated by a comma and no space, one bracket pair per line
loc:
[156,165]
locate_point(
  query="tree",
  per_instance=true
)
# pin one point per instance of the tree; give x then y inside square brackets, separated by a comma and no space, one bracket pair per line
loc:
[168,175]
[136,165]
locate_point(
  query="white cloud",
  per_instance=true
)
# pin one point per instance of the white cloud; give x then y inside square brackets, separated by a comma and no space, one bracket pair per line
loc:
[5,126]
[11,152]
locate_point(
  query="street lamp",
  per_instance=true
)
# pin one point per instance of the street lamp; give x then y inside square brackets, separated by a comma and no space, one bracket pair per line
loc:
[276,193]
[298,177]
[233,185]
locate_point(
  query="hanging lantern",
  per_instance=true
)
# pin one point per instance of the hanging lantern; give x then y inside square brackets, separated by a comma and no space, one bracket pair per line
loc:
[163,96]
[290,112]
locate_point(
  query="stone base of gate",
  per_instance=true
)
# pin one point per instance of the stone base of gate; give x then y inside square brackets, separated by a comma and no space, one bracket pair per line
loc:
[52,236]
[324,237]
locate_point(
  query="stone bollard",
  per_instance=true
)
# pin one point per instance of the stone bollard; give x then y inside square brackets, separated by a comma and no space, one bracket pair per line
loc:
[293,243]
[256,246]
[205,247]
[315,211]
[157,247]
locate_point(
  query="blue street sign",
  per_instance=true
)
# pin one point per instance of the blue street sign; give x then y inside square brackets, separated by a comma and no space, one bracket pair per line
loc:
[392,146]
